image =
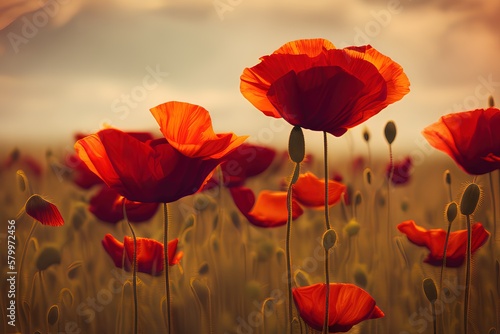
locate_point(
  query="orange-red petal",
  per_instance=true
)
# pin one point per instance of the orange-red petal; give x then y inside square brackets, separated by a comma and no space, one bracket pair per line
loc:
[434,240]
[188,128]
[270,209]
[43,211]
[309,191]
[349,305]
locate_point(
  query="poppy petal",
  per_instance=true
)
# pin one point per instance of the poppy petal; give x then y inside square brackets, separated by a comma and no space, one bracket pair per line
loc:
[310,47]
[188,128]
[434,240]
[43,211]
[114,248]
[349,305]
[309,191]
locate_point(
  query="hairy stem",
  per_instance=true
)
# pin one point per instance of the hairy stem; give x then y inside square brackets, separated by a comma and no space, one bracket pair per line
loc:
[287,248]
[467,275]
[134,268]
[166,265]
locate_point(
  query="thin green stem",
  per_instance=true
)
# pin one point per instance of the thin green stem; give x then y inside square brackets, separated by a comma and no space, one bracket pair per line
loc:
[444,265]
[23,255]
[134,268]
[467,275]
[493,204]
[434,322]
[166,265]
[328,226]
[287,248]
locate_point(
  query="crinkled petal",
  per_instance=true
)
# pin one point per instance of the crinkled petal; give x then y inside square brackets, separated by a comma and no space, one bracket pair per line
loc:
[43,211]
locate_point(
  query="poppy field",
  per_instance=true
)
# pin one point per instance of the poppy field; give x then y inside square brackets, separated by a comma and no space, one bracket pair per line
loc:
[186,230]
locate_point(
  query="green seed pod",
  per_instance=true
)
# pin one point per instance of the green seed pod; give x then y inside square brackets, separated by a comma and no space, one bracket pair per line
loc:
[470,199]
[447,177]
[368,176]
[296,145]
[360,277]
[47,256]
[451,211]
[189,221]
[329,239]
[366,135]
[491,101]
[301,278]
[22,180]
[352,227]
[430,290]
[53,315]
[390,132]
[358,199]
[405,205]
[203,269]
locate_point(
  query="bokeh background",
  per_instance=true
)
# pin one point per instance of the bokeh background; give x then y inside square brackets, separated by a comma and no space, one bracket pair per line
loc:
[74,65]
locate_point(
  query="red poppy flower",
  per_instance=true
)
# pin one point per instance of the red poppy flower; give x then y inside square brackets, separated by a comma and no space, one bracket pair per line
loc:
[471,138]
[401,171]
[107,205]
[310,191]
[43,211]
[188,128]
[151,171]
[434,241]
[311,84]
[349,305]
[270,209]
[82,175]
[246,161]
[150,253]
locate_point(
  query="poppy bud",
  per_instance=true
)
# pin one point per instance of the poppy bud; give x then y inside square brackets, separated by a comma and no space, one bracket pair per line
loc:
[22,180]
[66,297]
[78,216]
[352,227]
[491,101]
[189,221]
[360,277]
[451,211]
[253,290]
[447,177]
[405,205]
[390,132]
[329,239]
[265,249]
[53,315]
[358,198]
[301,278]
[430,290]
[47,256]
[203,269]
[470,198]
[296,145]
[366,135]
[368,175]
[235,219]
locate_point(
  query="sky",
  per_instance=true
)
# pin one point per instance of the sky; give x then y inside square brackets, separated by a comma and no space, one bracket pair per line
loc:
[74,66]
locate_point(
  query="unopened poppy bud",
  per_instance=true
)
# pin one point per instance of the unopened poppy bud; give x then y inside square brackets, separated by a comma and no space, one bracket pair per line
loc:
[390,132]
[492,331]
[203,269]
[447,177]
[470,198]
[53,315]
[253,290]
[366,135]
[265,249]
[22,180]
[78,216]
[296,145]
[430,290]
[451,211]
[352,228]
[48,256]
[235,219]
[329,239]
[368,175]
[491,101]
[189,221]
[301,278]
[358,198]
[360,277]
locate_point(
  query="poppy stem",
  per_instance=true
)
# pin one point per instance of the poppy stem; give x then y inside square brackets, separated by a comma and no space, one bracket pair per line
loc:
[389,273]
[287,247]
[467,274]
[166,265]
[23,255]
[444,263]
[134,267]
[493,204]
[328,226]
